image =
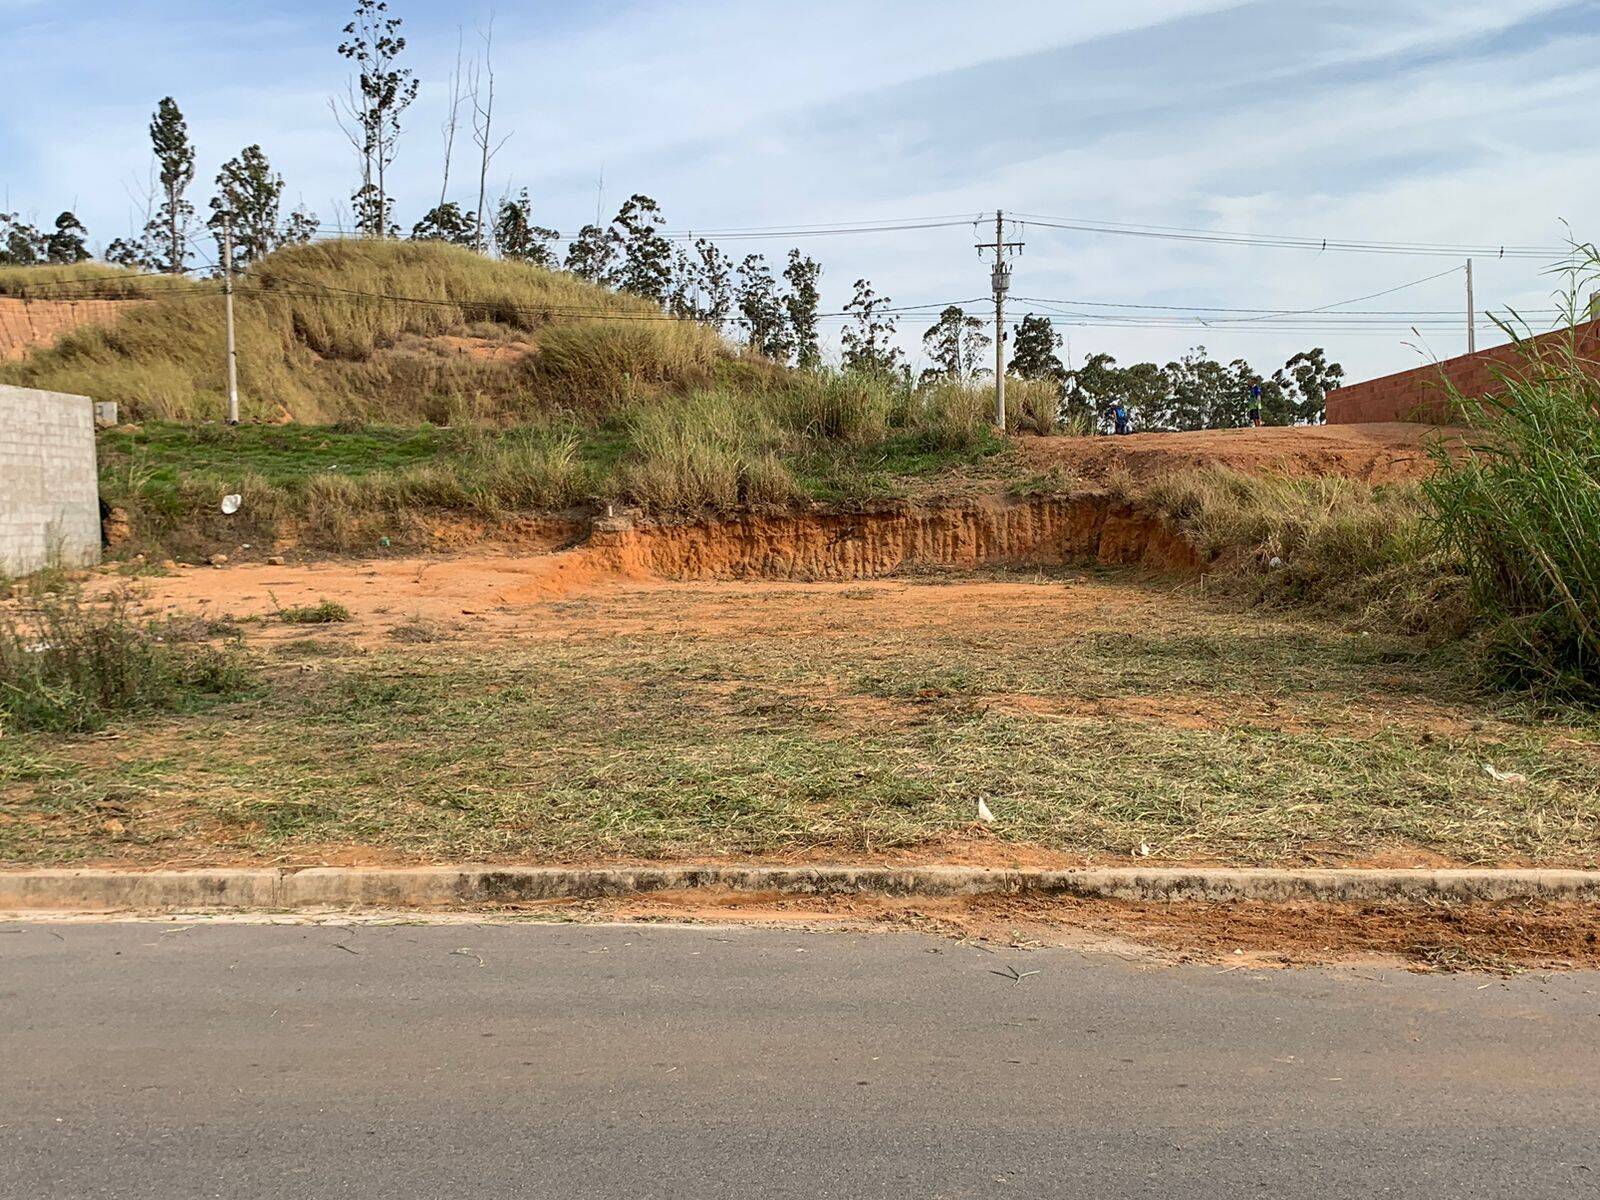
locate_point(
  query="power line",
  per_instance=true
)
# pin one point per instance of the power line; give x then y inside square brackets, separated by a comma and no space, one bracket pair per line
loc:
[1399,287]
[1287,242]
[767,232]
[798,234]
[1276,314]
[1078,313]
[1202,308]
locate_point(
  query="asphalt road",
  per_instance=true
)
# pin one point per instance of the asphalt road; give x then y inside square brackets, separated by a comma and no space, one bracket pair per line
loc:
[142,1060]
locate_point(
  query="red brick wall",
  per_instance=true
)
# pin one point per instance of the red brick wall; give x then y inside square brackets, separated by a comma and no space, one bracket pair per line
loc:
[1422,395]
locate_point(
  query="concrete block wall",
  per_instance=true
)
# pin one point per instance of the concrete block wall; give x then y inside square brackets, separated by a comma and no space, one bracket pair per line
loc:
[1422,394]
[49,486]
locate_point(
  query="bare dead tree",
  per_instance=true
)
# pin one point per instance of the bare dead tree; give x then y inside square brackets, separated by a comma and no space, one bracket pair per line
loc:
[353,113]
[449,128]
[481,90]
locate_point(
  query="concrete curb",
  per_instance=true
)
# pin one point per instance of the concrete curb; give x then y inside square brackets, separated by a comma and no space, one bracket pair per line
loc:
[431,887]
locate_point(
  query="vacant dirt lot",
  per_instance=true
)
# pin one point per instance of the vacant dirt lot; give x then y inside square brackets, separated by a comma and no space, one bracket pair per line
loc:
[1102,717]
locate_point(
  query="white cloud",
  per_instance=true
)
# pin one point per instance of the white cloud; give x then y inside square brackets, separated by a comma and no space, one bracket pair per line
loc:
[1418,119]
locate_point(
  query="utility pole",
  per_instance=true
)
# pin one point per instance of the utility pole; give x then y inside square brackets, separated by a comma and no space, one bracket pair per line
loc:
[227,293]
[1472,315]
[1000,280]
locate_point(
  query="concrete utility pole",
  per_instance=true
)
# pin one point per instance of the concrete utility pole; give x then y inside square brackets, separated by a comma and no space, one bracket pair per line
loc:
[1000,280]
[1472,315]
[227,293]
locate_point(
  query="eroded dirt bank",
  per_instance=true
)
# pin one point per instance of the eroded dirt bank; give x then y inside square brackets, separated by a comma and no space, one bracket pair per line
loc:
[484,574]
[1038,531]
[27,325]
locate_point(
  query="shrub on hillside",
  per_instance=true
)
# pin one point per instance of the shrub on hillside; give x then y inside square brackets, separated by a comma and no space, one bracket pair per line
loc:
[710,449]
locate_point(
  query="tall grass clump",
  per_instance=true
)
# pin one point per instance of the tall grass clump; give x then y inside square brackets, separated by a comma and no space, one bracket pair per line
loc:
[951,415]
[1521,508]
[68,665]
[839,406]
[1033,406]
[1326,542]
[709,449]
[529,467]
[608,363]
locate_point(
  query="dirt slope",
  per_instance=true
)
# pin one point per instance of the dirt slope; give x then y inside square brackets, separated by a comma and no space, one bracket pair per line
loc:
[28,324]
[992,532]
[1379,453]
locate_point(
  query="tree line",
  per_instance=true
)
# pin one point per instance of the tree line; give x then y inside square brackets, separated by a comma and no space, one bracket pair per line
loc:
[773,307]
[1194,391]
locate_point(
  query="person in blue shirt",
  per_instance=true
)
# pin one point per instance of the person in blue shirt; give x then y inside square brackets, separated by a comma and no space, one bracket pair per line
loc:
[1119,413]
[1255,404]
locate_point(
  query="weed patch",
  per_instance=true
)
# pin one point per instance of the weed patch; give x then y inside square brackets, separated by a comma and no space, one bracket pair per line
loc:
[68,665]
[324,612]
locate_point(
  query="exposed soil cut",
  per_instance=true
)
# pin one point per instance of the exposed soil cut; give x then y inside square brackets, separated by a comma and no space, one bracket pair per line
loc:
[801,547]
[26,325]
[1043,531]
[1389,452]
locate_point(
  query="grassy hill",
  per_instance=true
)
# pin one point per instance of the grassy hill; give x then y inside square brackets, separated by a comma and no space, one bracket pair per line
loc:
[400,332]
[381,379]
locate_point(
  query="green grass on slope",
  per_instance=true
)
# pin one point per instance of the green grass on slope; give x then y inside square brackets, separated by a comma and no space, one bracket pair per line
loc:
[343,487]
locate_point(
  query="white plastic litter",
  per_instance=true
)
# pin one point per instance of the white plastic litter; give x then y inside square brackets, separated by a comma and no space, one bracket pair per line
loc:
[1144,849]
[984,814]
[1275,563]
[230,504]
[1503,776]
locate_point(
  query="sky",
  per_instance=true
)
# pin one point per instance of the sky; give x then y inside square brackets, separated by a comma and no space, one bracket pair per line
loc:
[1458,123]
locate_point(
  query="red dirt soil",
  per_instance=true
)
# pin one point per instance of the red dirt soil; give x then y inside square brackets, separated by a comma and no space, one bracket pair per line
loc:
[27,325]
[784,547]
[1378,453]
[1506,938]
